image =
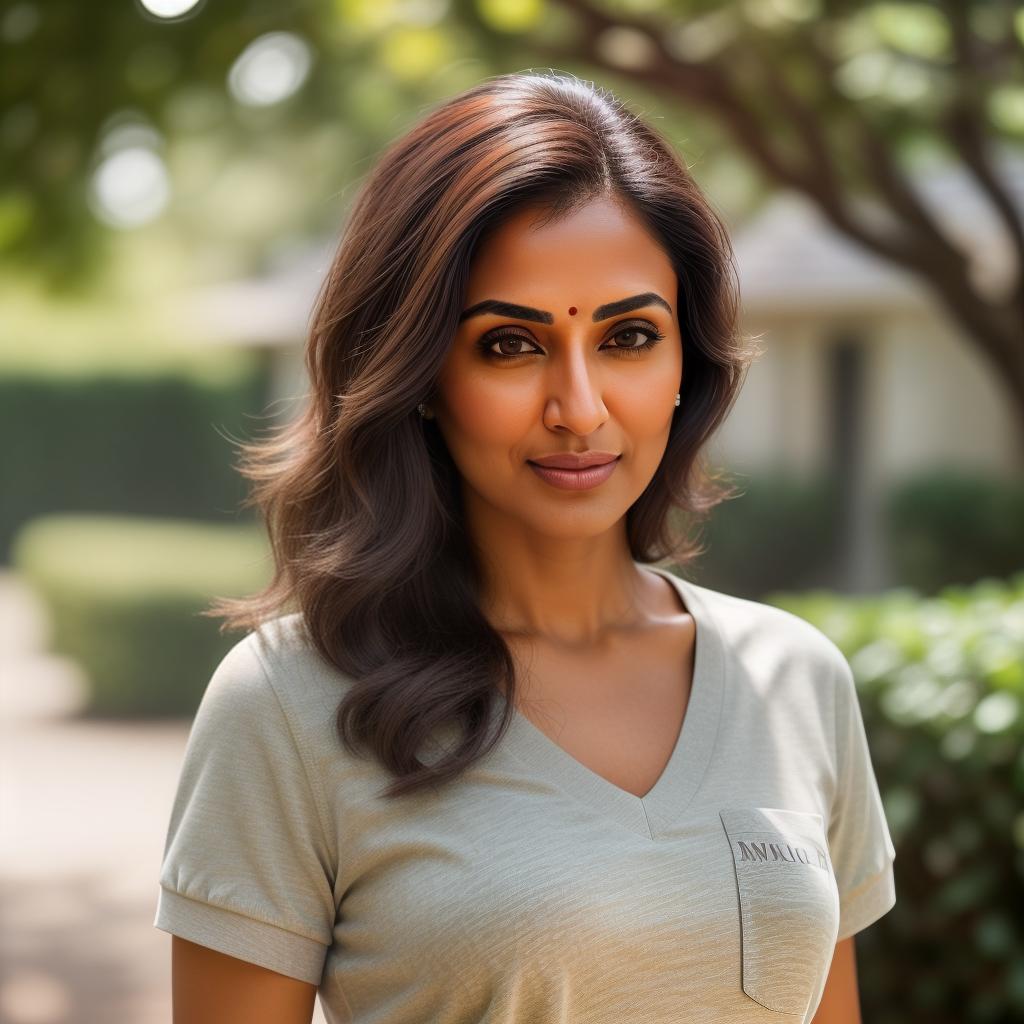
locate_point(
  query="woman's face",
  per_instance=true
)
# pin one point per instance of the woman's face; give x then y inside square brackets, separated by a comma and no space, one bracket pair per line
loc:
[578,375]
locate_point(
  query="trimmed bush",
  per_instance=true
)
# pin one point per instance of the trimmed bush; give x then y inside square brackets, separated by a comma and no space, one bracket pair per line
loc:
[145,439]
[952,525]
[941,684]
[124,595]
[782,531]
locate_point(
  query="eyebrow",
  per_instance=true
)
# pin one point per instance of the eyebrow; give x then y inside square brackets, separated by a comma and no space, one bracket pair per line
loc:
[542,316]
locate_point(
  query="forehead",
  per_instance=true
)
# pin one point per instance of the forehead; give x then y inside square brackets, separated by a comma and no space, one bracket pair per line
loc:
[592,253]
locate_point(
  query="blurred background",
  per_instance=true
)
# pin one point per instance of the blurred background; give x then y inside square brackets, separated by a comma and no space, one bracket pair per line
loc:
[174,176]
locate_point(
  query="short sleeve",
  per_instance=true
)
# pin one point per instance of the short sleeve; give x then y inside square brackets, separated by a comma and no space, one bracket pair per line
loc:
[860,846]
[247,868]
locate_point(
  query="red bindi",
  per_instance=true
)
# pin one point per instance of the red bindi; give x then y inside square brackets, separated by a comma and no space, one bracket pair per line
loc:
[572,311]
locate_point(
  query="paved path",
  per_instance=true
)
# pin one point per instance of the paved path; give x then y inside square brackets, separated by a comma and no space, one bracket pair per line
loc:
[84,808]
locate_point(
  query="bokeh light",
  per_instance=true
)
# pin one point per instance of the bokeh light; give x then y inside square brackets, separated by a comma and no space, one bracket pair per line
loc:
[169,8]
[270,69]
[130,187]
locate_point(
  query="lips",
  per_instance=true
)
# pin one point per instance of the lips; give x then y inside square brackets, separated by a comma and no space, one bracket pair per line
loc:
[574,460]
[576,479]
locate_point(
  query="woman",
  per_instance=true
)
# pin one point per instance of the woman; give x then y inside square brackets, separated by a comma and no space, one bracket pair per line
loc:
[494,766]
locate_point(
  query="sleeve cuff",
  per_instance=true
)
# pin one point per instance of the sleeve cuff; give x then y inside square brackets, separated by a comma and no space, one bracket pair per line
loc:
[870,901]
[240,936]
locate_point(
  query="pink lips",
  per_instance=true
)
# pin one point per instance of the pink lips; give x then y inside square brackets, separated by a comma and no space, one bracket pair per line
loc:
[602,465]
[575,460]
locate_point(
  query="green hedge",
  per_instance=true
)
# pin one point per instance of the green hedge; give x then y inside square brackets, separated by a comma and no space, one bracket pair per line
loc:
[951,525]
[782,531]
[940,528]
[941,683]
[146,439]
[124,596]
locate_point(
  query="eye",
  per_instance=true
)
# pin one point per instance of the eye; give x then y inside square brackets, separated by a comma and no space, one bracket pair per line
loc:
[653,335]
[490,340]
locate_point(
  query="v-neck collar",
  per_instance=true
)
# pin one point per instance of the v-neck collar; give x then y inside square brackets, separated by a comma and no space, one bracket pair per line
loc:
[654,813]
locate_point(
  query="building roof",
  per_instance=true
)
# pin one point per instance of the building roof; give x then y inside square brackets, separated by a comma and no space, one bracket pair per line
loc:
[791,259]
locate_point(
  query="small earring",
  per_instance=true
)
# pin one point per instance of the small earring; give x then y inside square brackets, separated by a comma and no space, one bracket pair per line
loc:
[677,400]
[424,411]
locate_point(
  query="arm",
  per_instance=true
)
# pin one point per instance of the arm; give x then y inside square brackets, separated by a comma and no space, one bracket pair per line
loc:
[209,987]
[861,850]
[840,1002]
[247,878]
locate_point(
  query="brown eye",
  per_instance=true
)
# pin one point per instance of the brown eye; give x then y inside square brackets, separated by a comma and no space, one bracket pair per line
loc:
[514,343]
[648,332]
[637,333]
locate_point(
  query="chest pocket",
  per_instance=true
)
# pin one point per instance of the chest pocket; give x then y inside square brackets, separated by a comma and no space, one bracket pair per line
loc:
[788,901]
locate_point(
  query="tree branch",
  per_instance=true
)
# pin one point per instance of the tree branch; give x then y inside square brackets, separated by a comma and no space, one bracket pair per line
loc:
[883,170]
[962,124]
[708,84]
[915,240]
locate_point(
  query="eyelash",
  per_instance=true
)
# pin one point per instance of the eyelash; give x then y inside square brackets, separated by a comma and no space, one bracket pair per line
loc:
[653,338]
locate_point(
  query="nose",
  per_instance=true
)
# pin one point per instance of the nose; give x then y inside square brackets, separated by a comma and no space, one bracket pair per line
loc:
[573,398]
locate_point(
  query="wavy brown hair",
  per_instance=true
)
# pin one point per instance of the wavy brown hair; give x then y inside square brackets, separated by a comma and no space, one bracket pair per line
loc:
[360,497]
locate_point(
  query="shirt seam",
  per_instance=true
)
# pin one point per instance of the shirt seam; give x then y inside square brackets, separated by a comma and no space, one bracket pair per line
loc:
[837,683]
[251,913]
[319,798]
[858,891]
[647,819]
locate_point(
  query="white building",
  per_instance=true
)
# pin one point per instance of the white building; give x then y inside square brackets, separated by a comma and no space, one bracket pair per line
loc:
[863,370]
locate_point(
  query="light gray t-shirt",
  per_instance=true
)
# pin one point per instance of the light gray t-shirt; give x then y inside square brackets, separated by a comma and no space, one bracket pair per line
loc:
[532,890]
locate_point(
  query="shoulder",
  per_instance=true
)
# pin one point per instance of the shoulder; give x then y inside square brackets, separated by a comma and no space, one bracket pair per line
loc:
[274,673]
[776,659]
[765,635]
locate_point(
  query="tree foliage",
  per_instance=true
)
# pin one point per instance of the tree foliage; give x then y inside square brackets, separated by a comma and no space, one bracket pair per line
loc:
[829,98]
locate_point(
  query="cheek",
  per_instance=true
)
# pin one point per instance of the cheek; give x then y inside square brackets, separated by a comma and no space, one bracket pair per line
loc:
[482,419]
[645,407]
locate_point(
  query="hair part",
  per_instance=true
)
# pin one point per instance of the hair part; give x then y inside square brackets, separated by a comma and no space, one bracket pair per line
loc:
[359,495]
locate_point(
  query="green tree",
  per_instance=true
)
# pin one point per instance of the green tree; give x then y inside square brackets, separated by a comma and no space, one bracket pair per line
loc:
[828,98]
